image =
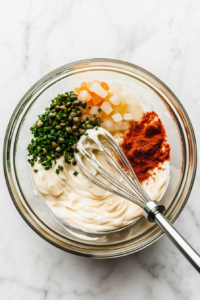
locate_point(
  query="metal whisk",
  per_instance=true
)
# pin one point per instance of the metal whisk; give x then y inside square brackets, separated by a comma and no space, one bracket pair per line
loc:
[132,191]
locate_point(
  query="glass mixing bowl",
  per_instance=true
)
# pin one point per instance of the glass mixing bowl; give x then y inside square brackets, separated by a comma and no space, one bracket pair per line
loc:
[153,95]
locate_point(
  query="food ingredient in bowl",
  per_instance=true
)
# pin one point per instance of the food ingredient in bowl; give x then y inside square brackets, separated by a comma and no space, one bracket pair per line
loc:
[84,95]
[70,195]
[57,130]
[145,145]
[115,99]
[97,89]
[117,117]
[106,107]
[79,202]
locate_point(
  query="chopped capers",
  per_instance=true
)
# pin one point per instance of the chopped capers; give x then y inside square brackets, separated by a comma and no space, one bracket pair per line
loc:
[73,114]
[69,129]
[75,120]
[98,120]
[58,149]
[83,103]
[63,107]
[40,124]
[52,115]
[44,151]
[74,128]
[79,113]
[76,102]
[89,126]
[75,133]
[81,131]
[54,145]
[73,97]
[61,140]
[74,147]
[93,120]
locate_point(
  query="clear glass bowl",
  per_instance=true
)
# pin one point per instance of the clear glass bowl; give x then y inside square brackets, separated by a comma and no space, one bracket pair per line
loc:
[154,95]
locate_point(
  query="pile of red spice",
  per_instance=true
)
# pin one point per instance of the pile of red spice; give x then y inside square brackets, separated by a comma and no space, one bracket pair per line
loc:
[145,145]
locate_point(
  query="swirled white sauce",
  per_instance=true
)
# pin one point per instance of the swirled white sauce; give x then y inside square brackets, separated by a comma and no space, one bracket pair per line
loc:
[77,201]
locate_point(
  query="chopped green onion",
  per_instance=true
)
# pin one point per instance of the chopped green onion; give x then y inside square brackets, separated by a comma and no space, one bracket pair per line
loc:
[57,171]
[50,141]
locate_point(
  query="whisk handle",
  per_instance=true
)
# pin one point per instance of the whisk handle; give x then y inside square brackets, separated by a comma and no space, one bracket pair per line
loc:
[191,255]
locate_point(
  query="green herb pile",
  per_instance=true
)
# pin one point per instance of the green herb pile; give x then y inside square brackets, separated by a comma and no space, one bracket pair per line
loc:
[57,131]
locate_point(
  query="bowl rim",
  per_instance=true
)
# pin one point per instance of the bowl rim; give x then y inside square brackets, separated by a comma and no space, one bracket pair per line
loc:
[45,77]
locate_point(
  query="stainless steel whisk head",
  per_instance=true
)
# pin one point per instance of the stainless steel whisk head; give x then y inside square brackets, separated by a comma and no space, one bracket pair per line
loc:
[132,191]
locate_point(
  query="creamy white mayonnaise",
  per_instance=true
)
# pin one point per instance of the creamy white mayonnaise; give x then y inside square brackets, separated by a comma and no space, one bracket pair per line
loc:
[78,201]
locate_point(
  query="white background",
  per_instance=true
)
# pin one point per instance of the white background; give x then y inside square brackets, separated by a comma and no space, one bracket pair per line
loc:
[40,35]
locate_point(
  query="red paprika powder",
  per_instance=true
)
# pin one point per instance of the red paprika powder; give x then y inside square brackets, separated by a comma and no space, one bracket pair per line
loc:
[145,145]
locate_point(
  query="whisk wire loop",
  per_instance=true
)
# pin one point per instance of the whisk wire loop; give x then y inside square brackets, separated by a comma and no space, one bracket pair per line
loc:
[111,160]
[108,177]
[127,166]
[133,192]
